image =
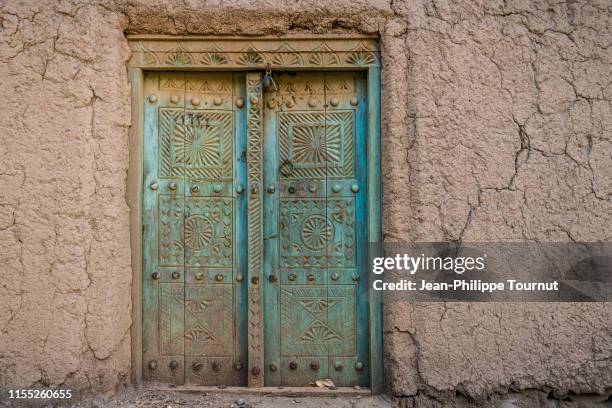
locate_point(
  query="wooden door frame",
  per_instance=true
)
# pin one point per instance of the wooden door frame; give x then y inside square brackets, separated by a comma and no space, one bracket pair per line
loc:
[289,53]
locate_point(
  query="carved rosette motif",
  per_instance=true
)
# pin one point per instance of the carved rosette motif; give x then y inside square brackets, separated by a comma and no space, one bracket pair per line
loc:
[208,232]
[333,52]
[317,233]
[254,206]
[199,231]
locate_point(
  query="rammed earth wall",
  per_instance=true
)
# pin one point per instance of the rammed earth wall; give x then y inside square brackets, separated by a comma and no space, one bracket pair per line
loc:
[497,125]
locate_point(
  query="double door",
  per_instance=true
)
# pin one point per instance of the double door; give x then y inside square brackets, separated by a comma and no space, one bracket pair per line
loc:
[253,229]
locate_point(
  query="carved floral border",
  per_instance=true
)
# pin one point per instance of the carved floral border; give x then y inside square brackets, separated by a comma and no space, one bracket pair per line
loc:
[336,53]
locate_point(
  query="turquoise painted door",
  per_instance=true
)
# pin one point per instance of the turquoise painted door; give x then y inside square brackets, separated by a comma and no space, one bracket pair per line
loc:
[316,311]
[253,216]
[194,230]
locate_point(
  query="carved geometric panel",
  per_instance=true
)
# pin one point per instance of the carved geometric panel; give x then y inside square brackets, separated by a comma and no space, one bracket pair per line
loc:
[304,328]
[208,231]
[208,84]
[312,84]
[318,144]
[197,144]
[318,321]
[317,233]
[171,314]
[209,320]
[341,319]
[170,239]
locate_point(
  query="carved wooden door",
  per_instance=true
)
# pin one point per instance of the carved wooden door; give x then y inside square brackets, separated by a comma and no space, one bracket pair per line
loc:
[316,319]
[194,318]
[253,219]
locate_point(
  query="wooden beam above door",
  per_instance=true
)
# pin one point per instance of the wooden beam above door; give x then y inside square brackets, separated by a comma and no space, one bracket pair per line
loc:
[290,53]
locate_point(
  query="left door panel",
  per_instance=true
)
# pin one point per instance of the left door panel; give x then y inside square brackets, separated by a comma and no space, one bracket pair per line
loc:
[194,238]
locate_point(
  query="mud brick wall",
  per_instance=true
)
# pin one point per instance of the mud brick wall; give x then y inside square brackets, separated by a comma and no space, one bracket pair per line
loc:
[497,125]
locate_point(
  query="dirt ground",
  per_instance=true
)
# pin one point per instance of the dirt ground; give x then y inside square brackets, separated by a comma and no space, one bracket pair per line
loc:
[181,399]
[165,399]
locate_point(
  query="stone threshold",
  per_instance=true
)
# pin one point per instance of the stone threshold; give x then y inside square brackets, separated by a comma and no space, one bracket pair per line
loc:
[263,391]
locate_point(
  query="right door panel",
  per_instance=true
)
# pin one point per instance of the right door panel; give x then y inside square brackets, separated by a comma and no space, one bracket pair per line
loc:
[316,308]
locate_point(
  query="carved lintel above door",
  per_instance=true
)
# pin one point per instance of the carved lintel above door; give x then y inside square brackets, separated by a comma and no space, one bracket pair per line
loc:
[293,53]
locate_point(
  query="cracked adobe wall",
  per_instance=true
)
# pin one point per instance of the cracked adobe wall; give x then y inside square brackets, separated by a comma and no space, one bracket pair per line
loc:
[65,251]
[509,138]
[497,126]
